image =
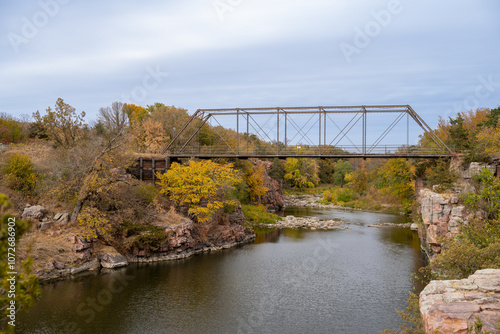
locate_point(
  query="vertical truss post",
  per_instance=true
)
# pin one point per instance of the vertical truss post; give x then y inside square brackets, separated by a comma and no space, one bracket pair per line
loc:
[324,127]
[278,130]
[286,139]
[237,131]
[407,133]
[319,131]
[364,131]
[248,134]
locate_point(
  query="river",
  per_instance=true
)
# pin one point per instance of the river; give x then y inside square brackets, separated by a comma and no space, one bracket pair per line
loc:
[288,281]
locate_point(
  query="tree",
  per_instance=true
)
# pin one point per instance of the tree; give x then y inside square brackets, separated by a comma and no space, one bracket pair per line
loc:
[341,169]
[302,172]
[439,173]
[492,118]
[63,124]
[201,185]
[254,177]
[396,177]
[100,159]
[136,114]
[10,130]
[150,136]
[489,139]
[459,135]
[486,197]
[24,289]
[358,180]
[326,170]
[113,118]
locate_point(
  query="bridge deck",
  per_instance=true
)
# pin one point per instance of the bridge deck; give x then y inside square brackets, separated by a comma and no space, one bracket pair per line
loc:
[314,156]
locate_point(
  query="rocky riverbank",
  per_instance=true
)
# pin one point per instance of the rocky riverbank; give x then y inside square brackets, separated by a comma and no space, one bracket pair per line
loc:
[312,223]
[59,250]
[311,201]
[456,306]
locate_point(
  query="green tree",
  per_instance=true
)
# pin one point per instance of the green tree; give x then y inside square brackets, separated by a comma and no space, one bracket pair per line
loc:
[326,170]
[396,178]
[24,290]
[201,185]
[439,173]
[341,169]
[63,124]
[459,135]
[486,196]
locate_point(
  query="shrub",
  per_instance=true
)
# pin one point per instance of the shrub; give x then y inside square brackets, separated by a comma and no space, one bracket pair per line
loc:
[150,239]
[147,193]
[345,196]
[257,214]
[10,130]
[19,173]
[440,174]
[95,223]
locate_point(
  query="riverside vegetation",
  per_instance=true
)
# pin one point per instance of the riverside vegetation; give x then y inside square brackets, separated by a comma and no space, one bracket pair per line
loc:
[59,160]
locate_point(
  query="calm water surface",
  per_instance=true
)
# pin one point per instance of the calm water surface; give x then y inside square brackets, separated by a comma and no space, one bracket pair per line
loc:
[290,281]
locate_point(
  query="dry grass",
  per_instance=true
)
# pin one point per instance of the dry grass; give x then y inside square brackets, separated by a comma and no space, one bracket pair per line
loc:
[46,248]
[169,218]
[36,150]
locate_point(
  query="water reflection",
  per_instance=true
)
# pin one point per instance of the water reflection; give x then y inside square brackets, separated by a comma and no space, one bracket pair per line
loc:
[288,281]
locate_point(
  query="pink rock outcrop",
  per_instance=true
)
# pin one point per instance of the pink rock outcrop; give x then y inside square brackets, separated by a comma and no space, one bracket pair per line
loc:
[442,217]
[457,305]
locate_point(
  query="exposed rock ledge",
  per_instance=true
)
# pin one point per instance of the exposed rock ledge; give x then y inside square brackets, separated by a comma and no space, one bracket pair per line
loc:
[189,253]
[454,306]
[312,223]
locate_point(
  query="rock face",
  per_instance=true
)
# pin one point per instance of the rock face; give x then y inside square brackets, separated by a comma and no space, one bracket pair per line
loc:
[442,217]
[455,306]
[35,212]
[187,238]
[273,199]
[110,258]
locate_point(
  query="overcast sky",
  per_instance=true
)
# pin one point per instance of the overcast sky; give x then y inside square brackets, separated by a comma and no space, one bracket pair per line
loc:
[440,57]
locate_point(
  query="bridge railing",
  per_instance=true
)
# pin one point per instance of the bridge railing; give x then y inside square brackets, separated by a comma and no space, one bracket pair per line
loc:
[281,150]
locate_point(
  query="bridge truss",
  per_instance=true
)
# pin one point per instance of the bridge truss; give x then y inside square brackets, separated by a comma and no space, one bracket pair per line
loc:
[316,132]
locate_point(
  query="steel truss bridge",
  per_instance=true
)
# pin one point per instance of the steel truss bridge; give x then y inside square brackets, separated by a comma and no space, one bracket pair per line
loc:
[313,132]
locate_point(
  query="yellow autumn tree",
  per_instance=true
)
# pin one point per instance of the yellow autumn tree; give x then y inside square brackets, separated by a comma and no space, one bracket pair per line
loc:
[489,138]
[150,136]
[136,114]
[202,185]
[358,180]
[254,178]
